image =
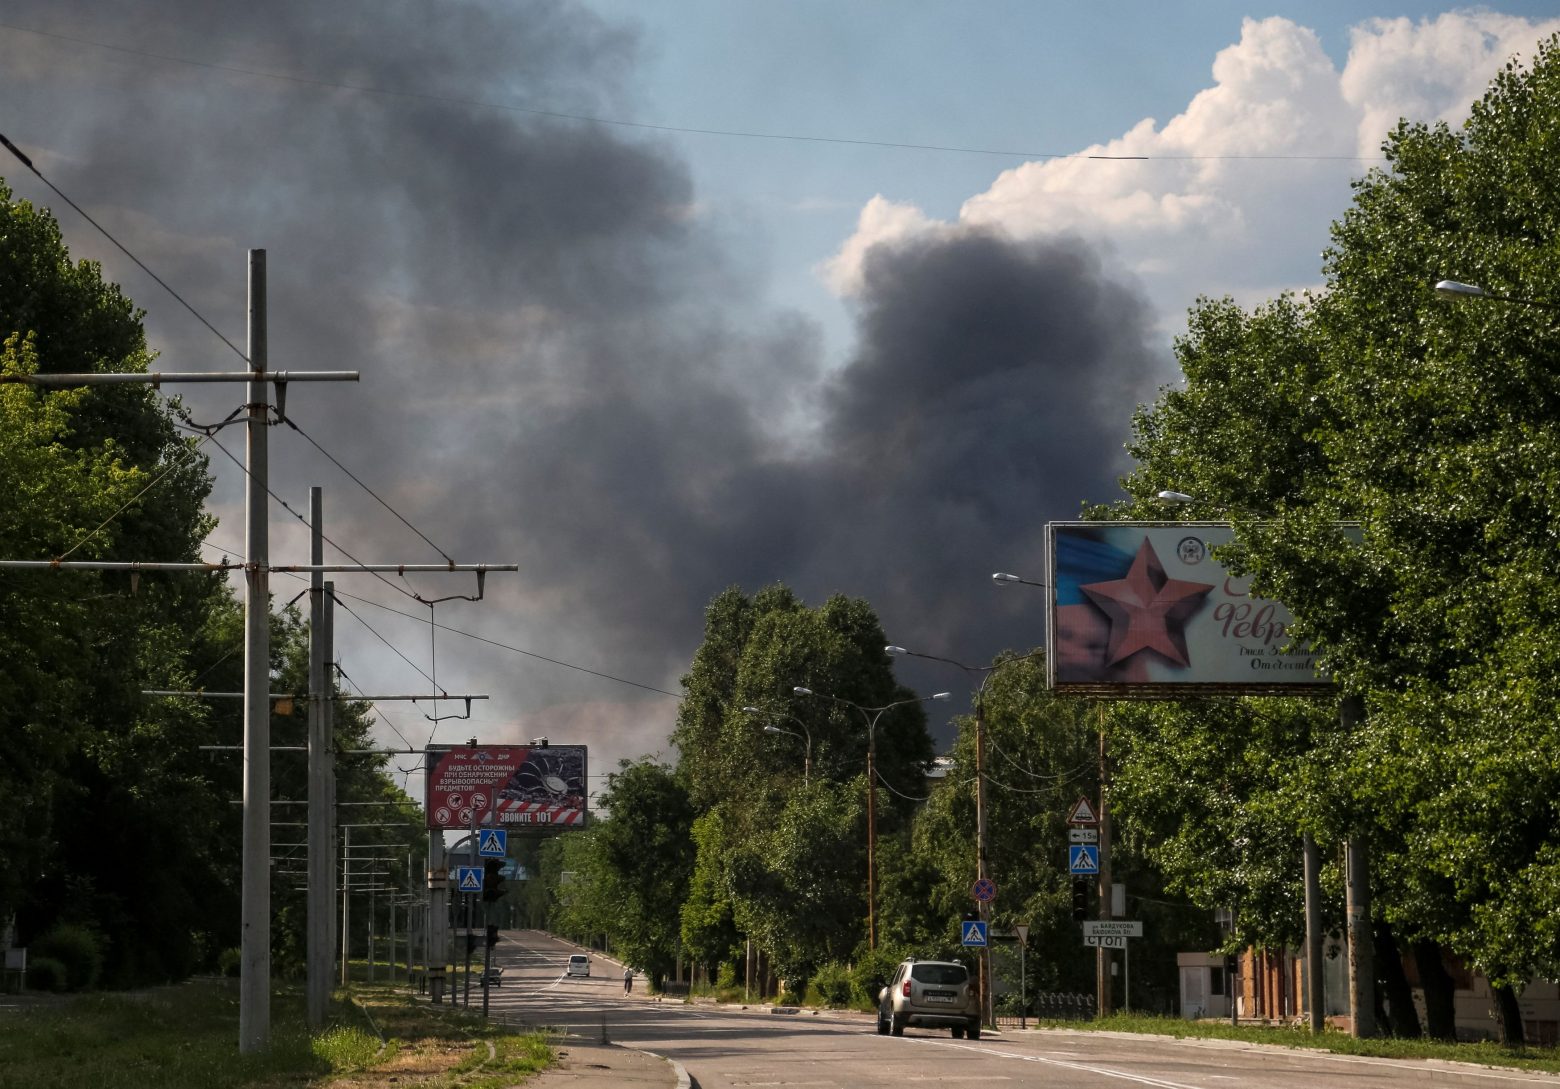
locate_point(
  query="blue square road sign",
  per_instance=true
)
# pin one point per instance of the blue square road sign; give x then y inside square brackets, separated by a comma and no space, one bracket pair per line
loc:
[1083,858]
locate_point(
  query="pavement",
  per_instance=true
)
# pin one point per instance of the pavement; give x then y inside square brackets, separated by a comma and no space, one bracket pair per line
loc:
[585,1063]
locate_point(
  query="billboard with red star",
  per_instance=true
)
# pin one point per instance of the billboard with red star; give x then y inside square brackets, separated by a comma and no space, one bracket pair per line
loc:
[505,786]
[1143,609]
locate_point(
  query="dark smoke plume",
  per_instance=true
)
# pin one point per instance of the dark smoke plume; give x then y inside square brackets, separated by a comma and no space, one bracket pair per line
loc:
[564,364]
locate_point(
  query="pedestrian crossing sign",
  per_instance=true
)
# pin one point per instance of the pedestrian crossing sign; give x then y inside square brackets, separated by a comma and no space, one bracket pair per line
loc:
[468,878]
[493,843]
[1083,858]
[973,933]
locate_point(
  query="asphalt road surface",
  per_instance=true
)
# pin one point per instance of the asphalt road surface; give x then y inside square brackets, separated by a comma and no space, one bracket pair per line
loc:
[724,1047]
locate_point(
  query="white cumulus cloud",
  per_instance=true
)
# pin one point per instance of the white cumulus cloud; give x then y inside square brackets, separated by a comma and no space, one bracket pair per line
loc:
[1239,188]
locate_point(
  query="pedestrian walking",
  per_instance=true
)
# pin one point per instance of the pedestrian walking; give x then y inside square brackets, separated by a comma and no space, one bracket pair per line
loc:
[628,980]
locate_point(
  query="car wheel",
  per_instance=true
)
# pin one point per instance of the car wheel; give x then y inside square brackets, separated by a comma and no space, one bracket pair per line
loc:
[897,1028]
[974,1031]
[882,1022]
[958,1033]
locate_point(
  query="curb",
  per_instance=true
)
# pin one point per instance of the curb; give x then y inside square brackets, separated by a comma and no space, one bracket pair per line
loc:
[683,1081]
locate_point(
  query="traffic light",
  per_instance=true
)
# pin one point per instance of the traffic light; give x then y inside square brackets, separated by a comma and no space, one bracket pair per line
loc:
[1232,965]
[492,935]
[493,879]
[1080,900]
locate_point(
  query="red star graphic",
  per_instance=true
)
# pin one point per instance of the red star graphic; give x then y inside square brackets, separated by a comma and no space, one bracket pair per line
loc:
[1147,610]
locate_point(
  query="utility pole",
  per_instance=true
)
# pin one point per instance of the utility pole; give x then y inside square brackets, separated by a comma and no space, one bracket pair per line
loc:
[321,773]
[1102,997]
[346,901]
[255,889]
[1315,992]
[1362,969]
[254,1002]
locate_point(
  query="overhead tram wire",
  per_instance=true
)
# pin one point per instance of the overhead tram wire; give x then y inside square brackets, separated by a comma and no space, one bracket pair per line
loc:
[560,115]
[480,638]
[209,432]
[304,519]
[28,163]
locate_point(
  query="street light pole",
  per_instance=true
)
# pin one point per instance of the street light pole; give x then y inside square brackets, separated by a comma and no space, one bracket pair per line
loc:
[870,716]
[805,735]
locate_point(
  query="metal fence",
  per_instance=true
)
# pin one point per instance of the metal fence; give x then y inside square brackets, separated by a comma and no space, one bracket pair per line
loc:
[1054,1006]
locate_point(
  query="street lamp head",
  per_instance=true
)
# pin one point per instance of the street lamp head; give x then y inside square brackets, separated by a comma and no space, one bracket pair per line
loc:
[1452,289]
[800,691]
[941,695]
[771,728]
[1168,496]
[895,650]
[1003,576]
[754,710]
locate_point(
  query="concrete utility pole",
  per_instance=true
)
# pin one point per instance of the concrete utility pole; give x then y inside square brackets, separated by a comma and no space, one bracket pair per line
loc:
[320,938]
[255,923]
[1362,968]
[1315,992]
[1102,996]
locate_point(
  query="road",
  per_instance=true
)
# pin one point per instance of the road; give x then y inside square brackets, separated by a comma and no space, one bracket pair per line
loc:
[732,1048]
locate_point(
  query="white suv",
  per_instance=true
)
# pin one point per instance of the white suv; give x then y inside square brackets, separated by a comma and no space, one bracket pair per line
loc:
[579,965]
[930,994]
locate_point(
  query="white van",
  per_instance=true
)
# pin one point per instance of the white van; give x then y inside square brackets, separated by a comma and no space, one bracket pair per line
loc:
[579,965]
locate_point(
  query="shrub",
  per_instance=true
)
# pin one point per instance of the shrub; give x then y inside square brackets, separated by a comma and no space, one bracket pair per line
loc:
[230,962]
[726,977]
[834,986]
[76,947]
[873,969]
[45,974]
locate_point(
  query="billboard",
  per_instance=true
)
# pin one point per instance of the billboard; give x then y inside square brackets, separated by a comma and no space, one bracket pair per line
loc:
[505,786]
[1143,610]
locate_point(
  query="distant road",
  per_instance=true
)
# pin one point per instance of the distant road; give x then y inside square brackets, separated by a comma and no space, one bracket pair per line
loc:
[729,1048]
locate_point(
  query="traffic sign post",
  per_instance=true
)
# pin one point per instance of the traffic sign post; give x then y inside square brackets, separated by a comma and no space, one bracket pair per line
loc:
[1022,930]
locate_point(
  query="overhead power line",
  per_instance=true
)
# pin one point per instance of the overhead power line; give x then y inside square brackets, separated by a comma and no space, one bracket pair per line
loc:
[617,122]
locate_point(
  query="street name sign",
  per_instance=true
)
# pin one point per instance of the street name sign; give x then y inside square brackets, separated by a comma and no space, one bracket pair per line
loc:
[1113,927]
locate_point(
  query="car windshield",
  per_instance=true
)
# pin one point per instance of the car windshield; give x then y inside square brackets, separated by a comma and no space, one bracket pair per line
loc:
[942,975]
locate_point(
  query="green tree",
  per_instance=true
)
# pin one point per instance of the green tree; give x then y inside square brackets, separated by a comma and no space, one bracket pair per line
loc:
[630,872]
[787,852]
[1435,427]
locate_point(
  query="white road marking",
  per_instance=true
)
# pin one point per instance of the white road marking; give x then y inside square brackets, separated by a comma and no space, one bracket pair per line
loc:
[1141,1079]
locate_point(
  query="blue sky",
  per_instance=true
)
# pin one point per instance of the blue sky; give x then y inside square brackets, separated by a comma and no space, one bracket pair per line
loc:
[649,364]
[1026,76]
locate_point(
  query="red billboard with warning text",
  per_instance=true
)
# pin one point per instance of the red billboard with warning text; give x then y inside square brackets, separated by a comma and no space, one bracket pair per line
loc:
[505,786]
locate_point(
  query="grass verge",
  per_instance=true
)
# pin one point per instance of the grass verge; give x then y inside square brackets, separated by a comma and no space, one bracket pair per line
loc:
[1485,1053]
[187,1035]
